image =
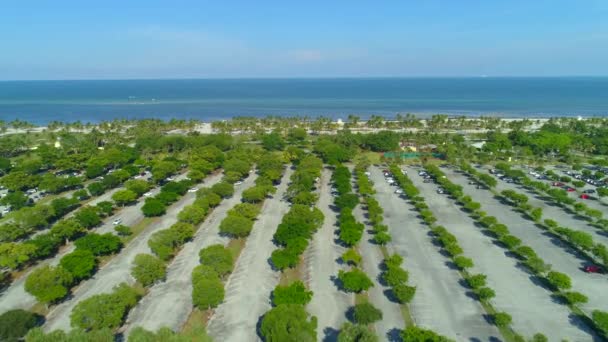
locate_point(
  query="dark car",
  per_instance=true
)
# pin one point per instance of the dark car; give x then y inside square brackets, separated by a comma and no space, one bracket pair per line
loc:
[589,191]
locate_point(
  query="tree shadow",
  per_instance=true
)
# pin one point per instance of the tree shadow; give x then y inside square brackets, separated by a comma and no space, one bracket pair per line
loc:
[330,334]
[390,295]
[394,335]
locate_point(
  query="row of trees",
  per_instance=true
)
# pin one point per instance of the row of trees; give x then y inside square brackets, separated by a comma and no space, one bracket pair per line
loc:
[558,282]
[446,240]
[303,219]
[50,284]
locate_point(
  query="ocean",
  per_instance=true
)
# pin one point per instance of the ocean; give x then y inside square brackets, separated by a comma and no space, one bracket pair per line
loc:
[40,102]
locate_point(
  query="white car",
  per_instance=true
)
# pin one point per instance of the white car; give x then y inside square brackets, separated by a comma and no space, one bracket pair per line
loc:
[404,171]
[170,179]
[148,194]
[193,190]
[117,221]
[367,173]
[399,191]
[238,183]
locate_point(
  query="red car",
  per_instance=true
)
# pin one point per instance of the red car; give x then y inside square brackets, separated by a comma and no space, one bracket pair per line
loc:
[584,196]
[593,269]
[570,189]
[558,184]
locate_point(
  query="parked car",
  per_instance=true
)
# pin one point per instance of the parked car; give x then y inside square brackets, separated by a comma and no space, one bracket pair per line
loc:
[593,269]
[584,196]
[569,189]
[117,221]
[557,184]
[440,191]
[367,173]
[192,190]
[148,194]
[399,191]
[589,191]
[427,180]
[238,183]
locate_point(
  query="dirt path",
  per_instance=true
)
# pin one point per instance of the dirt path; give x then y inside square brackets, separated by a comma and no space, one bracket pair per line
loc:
[249,286]
[169,303]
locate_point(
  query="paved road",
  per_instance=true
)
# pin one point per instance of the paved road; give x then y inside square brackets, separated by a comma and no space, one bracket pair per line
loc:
[440,303]
[168,304]
[328,304]
[15,296]
[249,286]
[530,305]
[559,255]
[118,269]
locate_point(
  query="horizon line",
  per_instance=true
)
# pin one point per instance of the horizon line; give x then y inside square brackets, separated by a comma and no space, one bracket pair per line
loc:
[298,78]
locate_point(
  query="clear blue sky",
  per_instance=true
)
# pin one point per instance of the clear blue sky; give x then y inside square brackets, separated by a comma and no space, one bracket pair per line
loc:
[64,39]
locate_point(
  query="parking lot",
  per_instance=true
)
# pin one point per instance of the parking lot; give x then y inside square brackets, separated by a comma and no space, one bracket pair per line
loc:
[441,302]
[561,257]
[517,292]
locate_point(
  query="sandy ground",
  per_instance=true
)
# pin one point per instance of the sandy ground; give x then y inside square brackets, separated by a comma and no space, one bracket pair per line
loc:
[118,269]
[517,292]
[441,302]
[328,304]
[15,296]
[249,287]
[552,250]
[169,303]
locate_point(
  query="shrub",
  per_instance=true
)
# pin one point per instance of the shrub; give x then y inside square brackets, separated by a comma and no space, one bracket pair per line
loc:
[207,293]
[463,262]
[296,293]
[351,257]
[485,293]
[105,310]
[394,276]
[416,334]
[48,284]
[107,243]
[355,280]
[192,214]
[148,269]
[575,297]
[476,281]
[289,322]
[404,293]
[123,230]
[14,324]
[223,189]
[218,258]
[501,319]
[366,313]
[153,207]
[382,238]
[81,263]
[356,333]
[559,280]
[600,318]
[236,226]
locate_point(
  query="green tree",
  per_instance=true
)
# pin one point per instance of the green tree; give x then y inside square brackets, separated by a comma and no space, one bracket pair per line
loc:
[295,293]
[105,310]
[148,269]
[207,293]
[382,238]
[574,297]
[96,188]
[356,333]
[366,313]
[485,293]
[404,293]
[476,281]
[395,275]
[223,189]
[288,323]
[192,214]
[217,257]
[16,200]
[463,262]
[351,257]
[502,319]
[559,280]
[124,197]
[153,207]
[81,264]
[165,334]
[355,280]
[13,255]
[105,244]
[14,324]
[88,217]
[273,141]
[600,318]
[236,226]
[416,334]
[48,284]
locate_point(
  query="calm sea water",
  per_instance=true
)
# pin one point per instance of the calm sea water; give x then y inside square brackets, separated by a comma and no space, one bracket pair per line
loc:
[92,101]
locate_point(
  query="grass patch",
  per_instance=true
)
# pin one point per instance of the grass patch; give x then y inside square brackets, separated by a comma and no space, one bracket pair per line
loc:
[290,275]
[197,320]
[407,315]
[372,157]
[235,246]
[361,298]
[138,228]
